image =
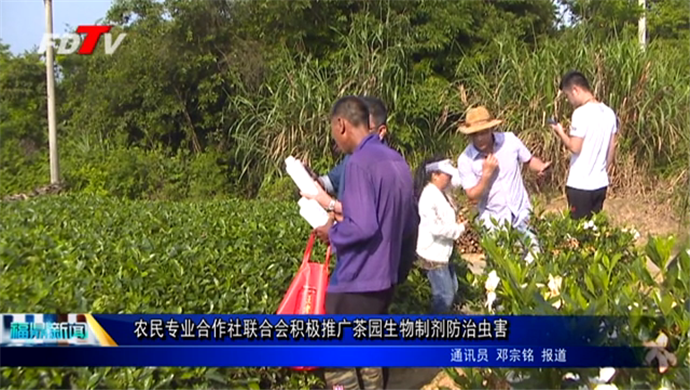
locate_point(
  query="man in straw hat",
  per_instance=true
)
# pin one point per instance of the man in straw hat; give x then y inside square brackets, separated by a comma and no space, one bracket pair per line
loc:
[489,171]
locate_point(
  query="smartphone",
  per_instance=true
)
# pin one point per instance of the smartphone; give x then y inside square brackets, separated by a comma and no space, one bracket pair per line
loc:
[552,121]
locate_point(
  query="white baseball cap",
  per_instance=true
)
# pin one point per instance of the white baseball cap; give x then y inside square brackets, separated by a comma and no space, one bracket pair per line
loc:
[444,166]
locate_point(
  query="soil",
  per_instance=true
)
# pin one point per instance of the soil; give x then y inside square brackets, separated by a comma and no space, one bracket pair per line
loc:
[647,216]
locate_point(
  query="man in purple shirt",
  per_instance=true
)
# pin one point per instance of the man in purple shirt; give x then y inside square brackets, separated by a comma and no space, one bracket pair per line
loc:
[378,117]
[378,211]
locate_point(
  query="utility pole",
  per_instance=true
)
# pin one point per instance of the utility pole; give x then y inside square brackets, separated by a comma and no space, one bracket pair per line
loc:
[50,83]
[642,25]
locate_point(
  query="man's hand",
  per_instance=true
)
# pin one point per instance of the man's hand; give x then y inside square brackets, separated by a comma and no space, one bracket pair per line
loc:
[321,196]
[573,144]
[322,231]
[489,165]
[544,169]
[541,168]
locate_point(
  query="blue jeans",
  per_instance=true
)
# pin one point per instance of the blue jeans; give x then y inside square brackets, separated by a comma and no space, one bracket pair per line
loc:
[444,286]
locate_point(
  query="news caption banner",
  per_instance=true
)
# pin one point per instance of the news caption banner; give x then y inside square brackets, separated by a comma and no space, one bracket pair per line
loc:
[319,341]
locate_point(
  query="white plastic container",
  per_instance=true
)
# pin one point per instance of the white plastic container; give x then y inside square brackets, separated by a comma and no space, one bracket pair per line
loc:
[309,209]
[300,176]
[312,212]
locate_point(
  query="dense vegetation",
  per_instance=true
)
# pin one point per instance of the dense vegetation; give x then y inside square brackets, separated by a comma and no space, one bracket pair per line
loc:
[87,253]
[592,268]
[93,254]
[205,98]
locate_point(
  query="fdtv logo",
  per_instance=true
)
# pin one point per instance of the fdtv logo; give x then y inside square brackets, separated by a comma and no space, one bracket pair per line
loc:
[69,43]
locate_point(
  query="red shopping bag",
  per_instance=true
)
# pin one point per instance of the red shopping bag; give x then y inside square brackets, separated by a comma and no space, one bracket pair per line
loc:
[307,292]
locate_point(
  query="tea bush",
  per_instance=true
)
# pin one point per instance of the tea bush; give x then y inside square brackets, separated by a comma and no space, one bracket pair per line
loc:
[590,268]
[84,253]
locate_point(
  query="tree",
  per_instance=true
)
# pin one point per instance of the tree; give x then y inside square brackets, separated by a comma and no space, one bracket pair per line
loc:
[22,101]
[666,19]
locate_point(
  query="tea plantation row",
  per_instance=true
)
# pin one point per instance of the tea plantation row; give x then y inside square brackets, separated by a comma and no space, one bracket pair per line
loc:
[80,253]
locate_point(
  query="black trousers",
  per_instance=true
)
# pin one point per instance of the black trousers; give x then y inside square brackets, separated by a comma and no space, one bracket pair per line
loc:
[583,204]
[370,303]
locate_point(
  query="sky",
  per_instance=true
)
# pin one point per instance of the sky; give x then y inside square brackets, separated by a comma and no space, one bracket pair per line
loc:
[22,22]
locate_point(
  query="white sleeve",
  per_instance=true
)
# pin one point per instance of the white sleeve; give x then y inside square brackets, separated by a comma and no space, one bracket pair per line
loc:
[438,225]
[578,125]
[524,155]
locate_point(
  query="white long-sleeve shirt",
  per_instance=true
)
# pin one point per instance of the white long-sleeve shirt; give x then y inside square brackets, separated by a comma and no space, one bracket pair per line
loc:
[438,227]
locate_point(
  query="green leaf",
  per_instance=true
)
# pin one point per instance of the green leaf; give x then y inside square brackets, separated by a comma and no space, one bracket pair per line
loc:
[93,380]
[589,284]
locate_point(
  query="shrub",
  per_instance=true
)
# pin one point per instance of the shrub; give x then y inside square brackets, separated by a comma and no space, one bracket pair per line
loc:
[135,173]
[22,167]
[280,188]
[84,253]
[590,268]
[91,254]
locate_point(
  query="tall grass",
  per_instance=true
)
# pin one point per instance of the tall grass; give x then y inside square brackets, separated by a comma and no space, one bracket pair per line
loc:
[648,90]
[518,82]
[290,114]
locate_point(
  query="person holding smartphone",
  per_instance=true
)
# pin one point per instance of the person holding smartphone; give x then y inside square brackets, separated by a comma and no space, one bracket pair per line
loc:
[591,142]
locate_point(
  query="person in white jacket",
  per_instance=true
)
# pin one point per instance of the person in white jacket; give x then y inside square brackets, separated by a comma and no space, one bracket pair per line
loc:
[438,230]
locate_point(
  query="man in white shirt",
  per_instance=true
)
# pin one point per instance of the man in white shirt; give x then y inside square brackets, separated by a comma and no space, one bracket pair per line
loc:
[490,172]
[591,142]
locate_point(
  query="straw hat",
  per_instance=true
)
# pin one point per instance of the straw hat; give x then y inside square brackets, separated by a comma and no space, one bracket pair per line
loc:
[478,119]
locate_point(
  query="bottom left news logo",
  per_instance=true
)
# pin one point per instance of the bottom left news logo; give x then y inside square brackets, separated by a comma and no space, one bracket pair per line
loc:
[25,330]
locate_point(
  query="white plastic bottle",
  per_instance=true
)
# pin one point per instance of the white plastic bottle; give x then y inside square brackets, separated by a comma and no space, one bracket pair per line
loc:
[300,176]
[310,210]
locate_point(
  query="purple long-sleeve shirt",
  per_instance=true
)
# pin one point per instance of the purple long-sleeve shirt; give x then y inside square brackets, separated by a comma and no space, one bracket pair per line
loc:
[378,211]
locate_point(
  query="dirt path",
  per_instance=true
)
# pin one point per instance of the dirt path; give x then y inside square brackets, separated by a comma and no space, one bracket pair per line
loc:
[411,377]
[646,216]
